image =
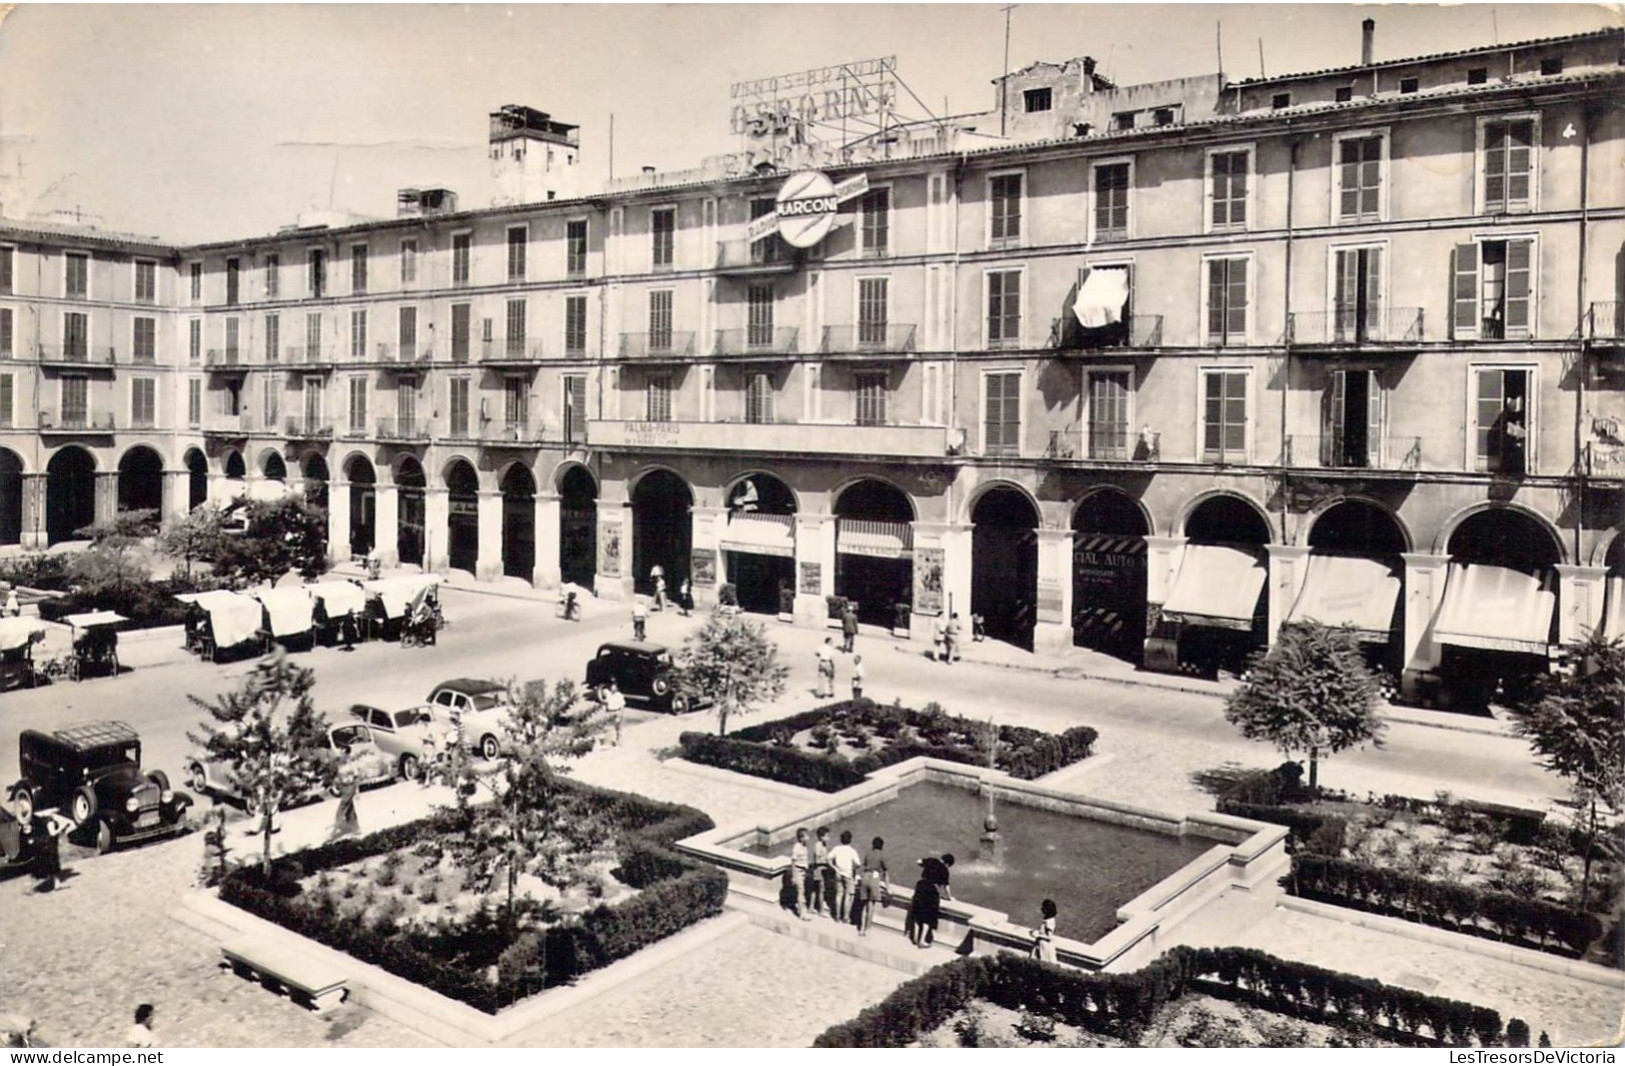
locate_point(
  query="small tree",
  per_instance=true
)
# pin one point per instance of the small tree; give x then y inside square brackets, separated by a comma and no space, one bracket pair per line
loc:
[269,739]
[197,536]
[1311,692]
[1575,722]
[735,663]
[117,556]
[523,828]
[283,535]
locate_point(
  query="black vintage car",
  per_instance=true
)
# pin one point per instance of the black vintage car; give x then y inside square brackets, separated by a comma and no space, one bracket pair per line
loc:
[92,774]
[645,674]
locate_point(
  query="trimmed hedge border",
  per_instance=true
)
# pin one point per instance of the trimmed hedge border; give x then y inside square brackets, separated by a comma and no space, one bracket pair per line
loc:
[1024,753]
[1121,1005]
[675,892]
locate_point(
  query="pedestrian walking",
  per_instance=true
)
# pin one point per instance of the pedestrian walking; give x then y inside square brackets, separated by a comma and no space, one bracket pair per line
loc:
[925,911]
[349,629]
[140,1034]
[844,860]
[951,638]
[799,858]
[685,598]
[818,870]
[978,629]
[871,887]
[1044,934]
[345,821]
[849,625]
[48,830]
[640,620]
[660,592]
[826,669]
[614,701]
[939,639]
[857,677]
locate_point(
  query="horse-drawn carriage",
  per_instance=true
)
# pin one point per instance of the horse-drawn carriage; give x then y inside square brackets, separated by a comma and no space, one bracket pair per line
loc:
[406,607]
[95,644]
[17,639]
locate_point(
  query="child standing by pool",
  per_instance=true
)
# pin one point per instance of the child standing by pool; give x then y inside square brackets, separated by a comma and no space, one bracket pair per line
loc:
[1044,935]
[798,874]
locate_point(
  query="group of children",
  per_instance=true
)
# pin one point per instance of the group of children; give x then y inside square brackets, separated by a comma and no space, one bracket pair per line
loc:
[836,880]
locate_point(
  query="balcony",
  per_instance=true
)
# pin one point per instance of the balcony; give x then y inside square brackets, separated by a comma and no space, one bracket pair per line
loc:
[1606,324]
[1395,454]
[225,360]
[228,426]
[924,442]
[892,338]
[407,430]
[95,357]
[393,355]
[522,434]
[308,428]
[1606,462]
[1119,446]
[672,344]
[743,259]
[511,352]
[1067,334]
[1347,328]
[84,422]
[757,341]
[314,358]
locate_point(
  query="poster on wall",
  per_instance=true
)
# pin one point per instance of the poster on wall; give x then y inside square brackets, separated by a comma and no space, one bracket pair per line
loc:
[928,581]
[812,576]
[704,562]
[1050,605]
[609,549]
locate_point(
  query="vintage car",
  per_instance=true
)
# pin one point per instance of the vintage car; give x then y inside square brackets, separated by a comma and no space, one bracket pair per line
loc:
[645,674]
[412,736]
[92,774]
[481,707]
[350,743]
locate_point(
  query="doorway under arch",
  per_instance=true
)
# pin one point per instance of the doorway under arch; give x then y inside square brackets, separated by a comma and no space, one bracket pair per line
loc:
[11,497]
[410,531]
[462,516]
[874,550]
[1357,527]
[197,479]
[141,480]
[363,479]
[1108,574]
[662,529]
[70,494]
[578,527]
[759,541]
[1004,565]
[518,523]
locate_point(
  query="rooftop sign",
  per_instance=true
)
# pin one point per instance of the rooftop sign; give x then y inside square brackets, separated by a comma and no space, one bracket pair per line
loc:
[823,96]
[805,208]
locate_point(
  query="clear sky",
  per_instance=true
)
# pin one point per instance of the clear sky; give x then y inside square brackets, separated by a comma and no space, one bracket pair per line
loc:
[204,122]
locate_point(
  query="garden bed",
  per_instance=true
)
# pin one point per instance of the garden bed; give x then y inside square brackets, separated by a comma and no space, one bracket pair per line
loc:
[1262,995]
[382,899]
[836,746]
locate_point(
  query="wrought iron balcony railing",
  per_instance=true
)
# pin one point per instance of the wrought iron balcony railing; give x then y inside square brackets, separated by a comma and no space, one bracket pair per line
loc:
[394,354]
[511,350]
[755,340]
[76,421]
[890,337]
[299,355]
[78,355]
[1605,460]
[770,255]
[512,433]
[1350,327]
[407,429]
[1341,453]
[667,343]
[1607,321]
[225,359]
[1067,334]
[309,428]
[1112,445]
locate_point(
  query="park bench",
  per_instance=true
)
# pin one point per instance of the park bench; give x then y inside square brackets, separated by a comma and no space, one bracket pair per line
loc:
[300,975]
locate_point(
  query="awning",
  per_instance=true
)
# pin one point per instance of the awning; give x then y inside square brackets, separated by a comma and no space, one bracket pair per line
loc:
[93,618]
[1217,586]
[882,540]
[1496,608]
[1343,590]
[20,632]
[1101,297]
[233,619]
[395,594]
[223,492]
[1613,617]
[339,598]
[760,534]
[291,611]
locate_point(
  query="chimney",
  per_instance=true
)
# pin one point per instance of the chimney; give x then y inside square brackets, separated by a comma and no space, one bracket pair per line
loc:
[648,172]
[1368,33]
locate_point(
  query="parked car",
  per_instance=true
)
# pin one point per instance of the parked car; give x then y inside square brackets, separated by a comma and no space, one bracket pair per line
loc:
[482,706]
[92,773]
[412,736]
[645,673]
[351,743]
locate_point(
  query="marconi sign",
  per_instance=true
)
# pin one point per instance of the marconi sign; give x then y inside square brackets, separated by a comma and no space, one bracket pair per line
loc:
[804,211]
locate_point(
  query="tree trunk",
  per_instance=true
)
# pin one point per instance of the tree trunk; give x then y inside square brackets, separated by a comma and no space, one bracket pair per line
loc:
[1314,773]
[1590,845]
[266,825]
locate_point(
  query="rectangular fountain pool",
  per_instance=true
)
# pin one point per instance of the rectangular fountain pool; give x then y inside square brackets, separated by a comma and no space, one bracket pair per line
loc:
[1089,868]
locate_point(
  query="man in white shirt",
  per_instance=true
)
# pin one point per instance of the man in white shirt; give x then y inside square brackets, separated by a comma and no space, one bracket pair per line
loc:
[826,669]
[844,858]
[615,703]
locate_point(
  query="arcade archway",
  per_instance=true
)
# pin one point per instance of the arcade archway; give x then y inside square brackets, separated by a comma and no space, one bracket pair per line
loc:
[759,541]
[1108,574]
[1214,616]
[462,516]
[70,494]
[315,474]
[410,534]
[578,527]
[662,530]
[11,497]
[197,479]
[363,531]
[518,523]
[1004,565]
[874,550]
[141,480]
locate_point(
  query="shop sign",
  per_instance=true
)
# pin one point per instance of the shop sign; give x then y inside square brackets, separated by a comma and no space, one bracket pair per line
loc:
[653,434]
[812,577]
[805,208]
[463,508]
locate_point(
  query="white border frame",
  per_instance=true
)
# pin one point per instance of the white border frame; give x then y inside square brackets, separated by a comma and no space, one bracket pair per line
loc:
[1093,200]
[130,402]
[1480,201]
[135,285]
[1086,427]
[1384,284]
[350,259]
[984,373]
[1020,240]
[69,254]
[1204,339]
[1022,324]
[507,248]
[1384,155]
[886,374]
[1250,444]
[1475,334]
[1250,202]
[891,222]
[1469,425]
[663,268]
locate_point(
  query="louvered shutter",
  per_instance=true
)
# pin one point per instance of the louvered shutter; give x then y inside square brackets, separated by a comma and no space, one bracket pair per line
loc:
[1517,287]
[1464,291]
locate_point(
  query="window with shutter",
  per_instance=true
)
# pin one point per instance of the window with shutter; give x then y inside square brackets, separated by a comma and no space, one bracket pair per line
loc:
[358,335]
[1226,301]
[1108,415]
[194,340]
[458,407]
[873,311]
[7,335]
[658,399]
[1003,308]
[660,320]
[1504,420]
[870,391]
[315,391]
[759,398]
[272,391]
[1229,189]
[875,209]
[194,402]
[462,245]
[406,332]
[76,335]
[663,235]
[8,397]
[75,400]
[1508,161]
[575,247]
[1351,419]
[8,268]
[273,336]
[273,276]
[1001,407]
[409,261]
[143,403]
[461,323]
[1004,192]
[146,282]
[358,268]
[759,308]
[406,404]
[317,272]
[575,408]
[1359,178]
[76,270]
[575,325]
[516,328]
[234,277]
[1111,201]
[515,405]
[358,405]
[1224,416]
[144,340]
[1357,312]
[517,237]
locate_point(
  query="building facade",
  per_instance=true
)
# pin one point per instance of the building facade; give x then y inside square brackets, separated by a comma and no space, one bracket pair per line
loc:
[1158,370]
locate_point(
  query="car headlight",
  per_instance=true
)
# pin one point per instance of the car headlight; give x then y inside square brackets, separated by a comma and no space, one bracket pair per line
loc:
[167,796]
[132,805]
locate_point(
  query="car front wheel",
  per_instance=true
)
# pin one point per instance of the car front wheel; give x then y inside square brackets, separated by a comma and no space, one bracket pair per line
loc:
[410,767]
[104,837]
[679,705]
[83,805]
[489,747]
[196,779]
[660,686]
[22,804]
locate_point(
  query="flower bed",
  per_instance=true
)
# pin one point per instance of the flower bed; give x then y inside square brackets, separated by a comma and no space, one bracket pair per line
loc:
[835,747]
[464,951]
[1124,1006]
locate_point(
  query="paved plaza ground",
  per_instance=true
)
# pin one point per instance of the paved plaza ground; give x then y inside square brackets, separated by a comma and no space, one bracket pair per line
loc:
[80,959]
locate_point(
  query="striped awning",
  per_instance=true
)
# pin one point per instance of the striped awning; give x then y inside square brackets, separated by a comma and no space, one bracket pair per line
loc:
[1107,548]
[1613,616]
[882,540]
[1218,585]
[1342,590]
[760,534]
[1496,608]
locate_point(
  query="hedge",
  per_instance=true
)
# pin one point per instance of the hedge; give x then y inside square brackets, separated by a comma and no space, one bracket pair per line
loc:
[1323,833]
[1023,753]
[1447,904]
[147,604]
[1122,1005]
[458,960]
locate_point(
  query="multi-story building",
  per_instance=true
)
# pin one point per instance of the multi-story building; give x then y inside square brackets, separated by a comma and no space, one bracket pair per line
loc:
[1160,368]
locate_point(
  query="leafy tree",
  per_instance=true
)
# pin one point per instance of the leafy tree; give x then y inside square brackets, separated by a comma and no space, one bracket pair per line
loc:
[1575,722]
[269,739]
[525,827]
[196,536]
[117,556]
[735,663]
[282,535]
[1311,692]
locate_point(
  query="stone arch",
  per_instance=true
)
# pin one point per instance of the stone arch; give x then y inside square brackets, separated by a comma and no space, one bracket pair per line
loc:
[1208,511]
[448,467]
[411,532]
[759,502]
[578,524]
[363,488]
[141,479]
[1352,519]
[11,497]
[233,465]
[197,478]
[735,486]
[1549,544]
[968,510]
[1109,557]
[1004,562]
[518,486]
[662,526]
[70,493]
[1610,554]
[841,489]
[569,469]
[462,482]
[871,515]
[1146,519]
[273,466]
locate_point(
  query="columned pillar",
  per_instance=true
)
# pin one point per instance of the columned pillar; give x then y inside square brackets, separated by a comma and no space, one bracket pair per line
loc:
[1580,591]
[436,529]
[106,495]
[942,575]
[1425,577]
[613,580]
[488,567]
[704,552]
[546,574]
[386,524]
[1053,632]
[338,520]
[815,567]
[1162,558]
[1288,566]
[177,494]
[34,537]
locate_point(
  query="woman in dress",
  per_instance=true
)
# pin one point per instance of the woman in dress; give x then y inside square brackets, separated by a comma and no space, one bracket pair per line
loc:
[345,821]
[1044,935]
[925,910]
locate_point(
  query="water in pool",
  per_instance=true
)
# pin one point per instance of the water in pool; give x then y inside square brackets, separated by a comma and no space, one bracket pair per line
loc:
[1088,868]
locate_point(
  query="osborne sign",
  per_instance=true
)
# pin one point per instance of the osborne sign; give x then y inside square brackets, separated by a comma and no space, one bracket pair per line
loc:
[804,211]
[823,96]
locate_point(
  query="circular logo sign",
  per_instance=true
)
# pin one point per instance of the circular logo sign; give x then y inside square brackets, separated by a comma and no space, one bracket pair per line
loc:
[806,208]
